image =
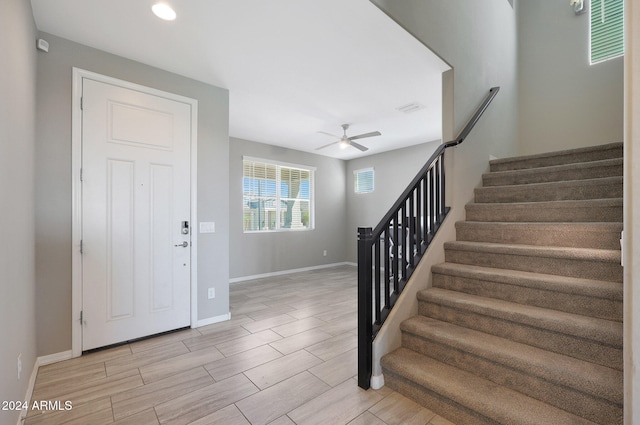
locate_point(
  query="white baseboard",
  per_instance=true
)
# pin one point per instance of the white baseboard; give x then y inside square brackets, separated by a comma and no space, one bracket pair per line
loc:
[283,272]
[212,320]
[377,381]
[40,361]
[55,358]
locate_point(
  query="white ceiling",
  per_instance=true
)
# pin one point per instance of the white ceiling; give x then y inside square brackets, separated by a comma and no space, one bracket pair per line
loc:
[292,67]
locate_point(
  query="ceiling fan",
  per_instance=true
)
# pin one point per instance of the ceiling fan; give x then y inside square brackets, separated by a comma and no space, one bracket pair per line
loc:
[349,141]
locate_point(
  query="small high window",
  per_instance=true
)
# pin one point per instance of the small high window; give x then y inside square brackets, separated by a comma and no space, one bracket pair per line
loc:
[363,180]
[606,30]
[276,196]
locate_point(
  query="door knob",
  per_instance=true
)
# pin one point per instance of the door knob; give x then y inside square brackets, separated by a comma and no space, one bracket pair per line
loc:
[183,244]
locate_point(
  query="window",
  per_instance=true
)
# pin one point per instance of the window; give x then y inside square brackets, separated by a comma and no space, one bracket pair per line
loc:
[606,30]
[276,196]
[363,180]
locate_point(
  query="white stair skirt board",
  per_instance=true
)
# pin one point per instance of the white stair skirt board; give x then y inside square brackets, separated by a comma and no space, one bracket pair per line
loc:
[377,381]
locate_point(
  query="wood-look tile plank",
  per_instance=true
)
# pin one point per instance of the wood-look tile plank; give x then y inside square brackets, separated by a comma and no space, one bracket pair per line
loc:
[245,343]
[334,346]
[230,415]
[213,338]
[146,417]
[270,312]
[230,366]
[338,369]
[159,341]
[146,357]
[282,420]
[83,392]
[270,322]
[267,405]
[367,419]
[235,322]
[283,368]
[439,420]
[298,326]
[339,405]
[299,341]
[100,356]
[173,365]
[204,401]
[337,327]
[150,395]
[101,408]
[396,409]
[69,376]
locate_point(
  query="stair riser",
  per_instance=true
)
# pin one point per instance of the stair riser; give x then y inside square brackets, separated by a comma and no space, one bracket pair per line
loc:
[569,345]
[435,402]
[571,158]
[555,393]
[545,176]
[570,303]
[587,189]
[531,213]
[611,272]
[541,235]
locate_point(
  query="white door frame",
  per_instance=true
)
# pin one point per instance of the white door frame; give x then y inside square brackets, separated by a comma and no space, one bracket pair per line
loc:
[76,195]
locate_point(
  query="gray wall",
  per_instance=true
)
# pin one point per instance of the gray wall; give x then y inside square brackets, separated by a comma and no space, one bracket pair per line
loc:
[259,253]
[53,181]
[393,171]
[564,101]
[17,138]
[479,40]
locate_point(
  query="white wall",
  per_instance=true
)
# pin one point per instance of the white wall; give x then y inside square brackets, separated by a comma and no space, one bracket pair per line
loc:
[254,254]
[17,138]
[564,102]
[53,181]
[393,171]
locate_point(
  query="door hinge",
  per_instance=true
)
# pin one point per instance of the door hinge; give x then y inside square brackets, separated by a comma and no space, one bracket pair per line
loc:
[81,317]
[81,176]
[82,103]
[81,246]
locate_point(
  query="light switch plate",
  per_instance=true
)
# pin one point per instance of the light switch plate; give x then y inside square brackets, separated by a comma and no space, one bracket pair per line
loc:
[207,227]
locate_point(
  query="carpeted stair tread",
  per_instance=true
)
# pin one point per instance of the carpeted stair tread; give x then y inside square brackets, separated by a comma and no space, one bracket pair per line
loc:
[578,235]
[601,188]
[589,210]
[576,171]
[465,397]
[605,332]
[564,371]
[552,283]
[599,264]
[586,154]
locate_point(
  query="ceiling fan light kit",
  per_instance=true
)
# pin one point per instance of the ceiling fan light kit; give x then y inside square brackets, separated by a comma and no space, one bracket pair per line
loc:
[346,141]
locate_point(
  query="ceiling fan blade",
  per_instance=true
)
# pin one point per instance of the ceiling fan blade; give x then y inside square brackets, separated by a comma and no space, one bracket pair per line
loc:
[329,134]
[362,136]
[326,146]
[359,146]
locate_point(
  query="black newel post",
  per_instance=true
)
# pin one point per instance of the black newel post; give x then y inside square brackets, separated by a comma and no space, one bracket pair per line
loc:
[365,321]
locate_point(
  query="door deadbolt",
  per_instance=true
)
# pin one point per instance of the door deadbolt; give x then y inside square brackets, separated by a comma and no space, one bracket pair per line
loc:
[185,227]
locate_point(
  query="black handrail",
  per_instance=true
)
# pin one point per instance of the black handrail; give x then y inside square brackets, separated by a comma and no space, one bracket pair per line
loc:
[389,253]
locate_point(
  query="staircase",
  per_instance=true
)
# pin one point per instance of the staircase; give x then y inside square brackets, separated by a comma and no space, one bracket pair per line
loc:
[523,324]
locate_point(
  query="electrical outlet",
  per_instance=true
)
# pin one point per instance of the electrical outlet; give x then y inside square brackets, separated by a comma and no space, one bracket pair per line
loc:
[212,293]
[324,253]
[19,365]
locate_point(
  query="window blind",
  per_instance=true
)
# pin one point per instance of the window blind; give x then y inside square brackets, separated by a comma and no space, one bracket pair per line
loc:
[606,30]
[276,197]
[364,180]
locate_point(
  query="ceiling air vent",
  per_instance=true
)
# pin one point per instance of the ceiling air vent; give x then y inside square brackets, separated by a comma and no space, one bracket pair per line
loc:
[410,107]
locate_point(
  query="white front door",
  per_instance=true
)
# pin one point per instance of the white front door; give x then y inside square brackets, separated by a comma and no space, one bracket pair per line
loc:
[135,214]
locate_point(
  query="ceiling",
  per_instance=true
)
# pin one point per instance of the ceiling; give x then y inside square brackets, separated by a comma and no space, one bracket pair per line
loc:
[292,67]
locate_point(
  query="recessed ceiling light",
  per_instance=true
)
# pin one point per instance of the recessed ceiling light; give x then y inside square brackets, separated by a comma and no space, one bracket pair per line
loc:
[164,11]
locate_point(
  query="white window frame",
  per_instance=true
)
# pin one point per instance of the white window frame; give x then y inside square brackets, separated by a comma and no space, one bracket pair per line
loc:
[355,180]
[279,165]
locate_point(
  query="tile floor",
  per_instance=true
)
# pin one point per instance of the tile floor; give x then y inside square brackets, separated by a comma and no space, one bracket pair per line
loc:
[288,356]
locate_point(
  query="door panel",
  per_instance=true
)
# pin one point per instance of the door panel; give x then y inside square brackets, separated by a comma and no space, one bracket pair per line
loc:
[135,196]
